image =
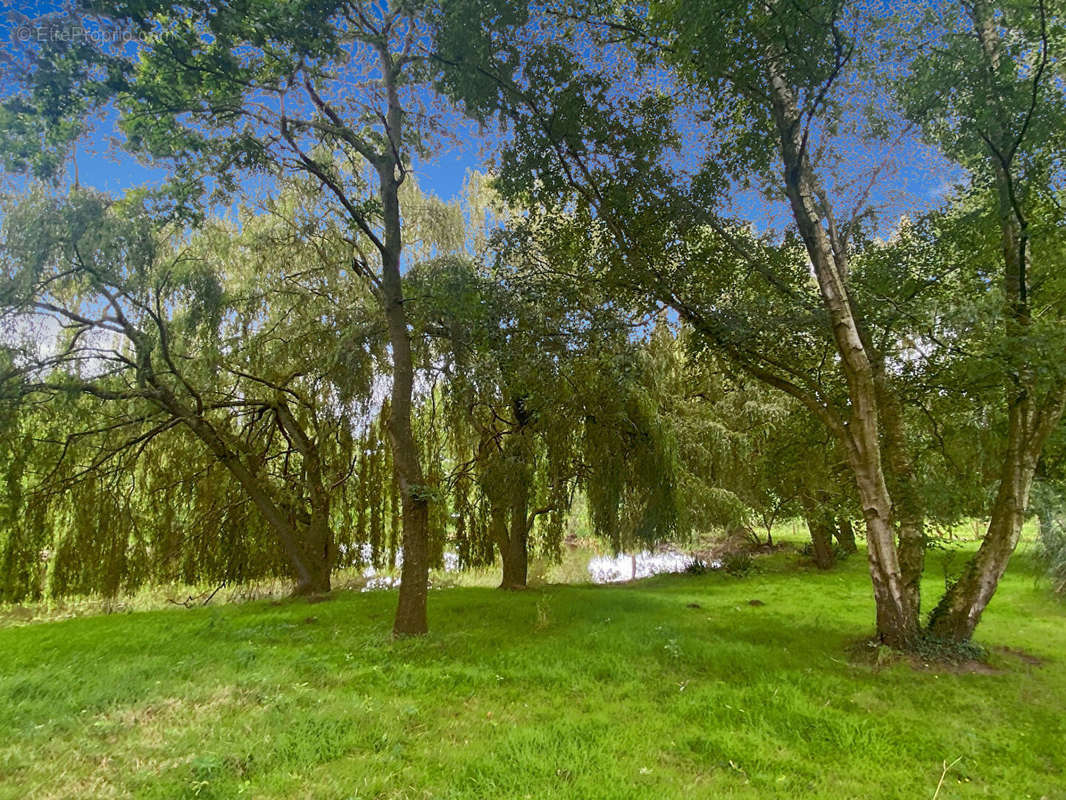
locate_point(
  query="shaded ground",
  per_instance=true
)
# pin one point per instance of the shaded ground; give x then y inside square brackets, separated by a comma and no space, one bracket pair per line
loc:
[678,686]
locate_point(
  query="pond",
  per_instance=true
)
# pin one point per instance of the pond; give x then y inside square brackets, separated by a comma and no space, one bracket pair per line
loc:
[631,566]
[600,569]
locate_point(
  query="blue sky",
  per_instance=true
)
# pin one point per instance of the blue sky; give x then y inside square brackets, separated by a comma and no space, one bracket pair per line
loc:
[104,165]
[915,180]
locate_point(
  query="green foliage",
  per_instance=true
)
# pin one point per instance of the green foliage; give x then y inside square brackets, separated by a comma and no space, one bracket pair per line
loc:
[987,106]
[1051,546]
[928,647]
[745,453]
[540,392]
[241,378]
[738,563]
[176,360]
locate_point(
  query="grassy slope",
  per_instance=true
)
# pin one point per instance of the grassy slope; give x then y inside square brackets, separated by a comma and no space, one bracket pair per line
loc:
[565,692]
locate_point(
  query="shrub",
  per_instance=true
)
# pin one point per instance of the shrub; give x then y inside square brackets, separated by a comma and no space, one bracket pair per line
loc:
[839,553]
[932,648]
[738,564]
[696,566]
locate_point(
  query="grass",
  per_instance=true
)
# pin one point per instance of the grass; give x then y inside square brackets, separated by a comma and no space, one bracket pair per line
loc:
[562,692]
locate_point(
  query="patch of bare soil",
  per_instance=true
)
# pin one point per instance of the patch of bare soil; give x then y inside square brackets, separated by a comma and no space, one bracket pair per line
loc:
[871,653]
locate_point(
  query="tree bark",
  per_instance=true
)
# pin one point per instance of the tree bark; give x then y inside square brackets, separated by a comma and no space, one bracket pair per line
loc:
[411,618]
[897,618]
[820,523]
[319,570]
[845,535]
[316,538]
[956,616]
[907,503]
[512,524]
[515,554]
[1030,418]
[318,547]
[510,536]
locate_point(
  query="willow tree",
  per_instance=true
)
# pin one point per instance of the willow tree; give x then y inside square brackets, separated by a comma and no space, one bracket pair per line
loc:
[87,508]
[747,456]
[336,91]
[756,97]
[541,396]
[191,379]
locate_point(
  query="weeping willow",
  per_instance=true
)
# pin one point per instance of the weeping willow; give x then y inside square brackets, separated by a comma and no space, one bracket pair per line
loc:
[205,413]
[532,407]
[76,522]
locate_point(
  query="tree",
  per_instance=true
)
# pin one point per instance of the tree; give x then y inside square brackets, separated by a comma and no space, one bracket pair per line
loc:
[1003,121]
[542,395]
[748,455]
[177,361]
[335,91]
[767,89]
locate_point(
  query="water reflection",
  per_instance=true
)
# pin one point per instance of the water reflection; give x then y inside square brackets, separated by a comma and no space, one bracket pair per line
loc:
[630,566]
[601,569]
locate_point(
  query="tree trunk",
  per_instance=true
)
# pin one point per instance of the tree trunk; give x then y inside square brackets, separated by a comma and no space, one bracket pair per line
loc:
[319,554]
[956,616]
[515,553]
[959,611]
[515,557]
[511,541]
[845,535]
[311,574]
[514,544]
[411,619]
[908,509]
[316,538]
[1030,418]
[317,581]
[820,524]
[897,618]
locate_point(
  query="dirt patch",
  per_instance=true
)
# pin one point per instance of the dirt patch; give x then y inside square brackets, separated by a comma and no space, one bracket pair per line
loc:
[871,653]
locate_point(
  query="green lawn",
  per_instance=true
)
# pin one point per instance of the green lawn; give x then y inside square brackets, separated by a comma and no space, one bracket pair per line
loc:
[562,692]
